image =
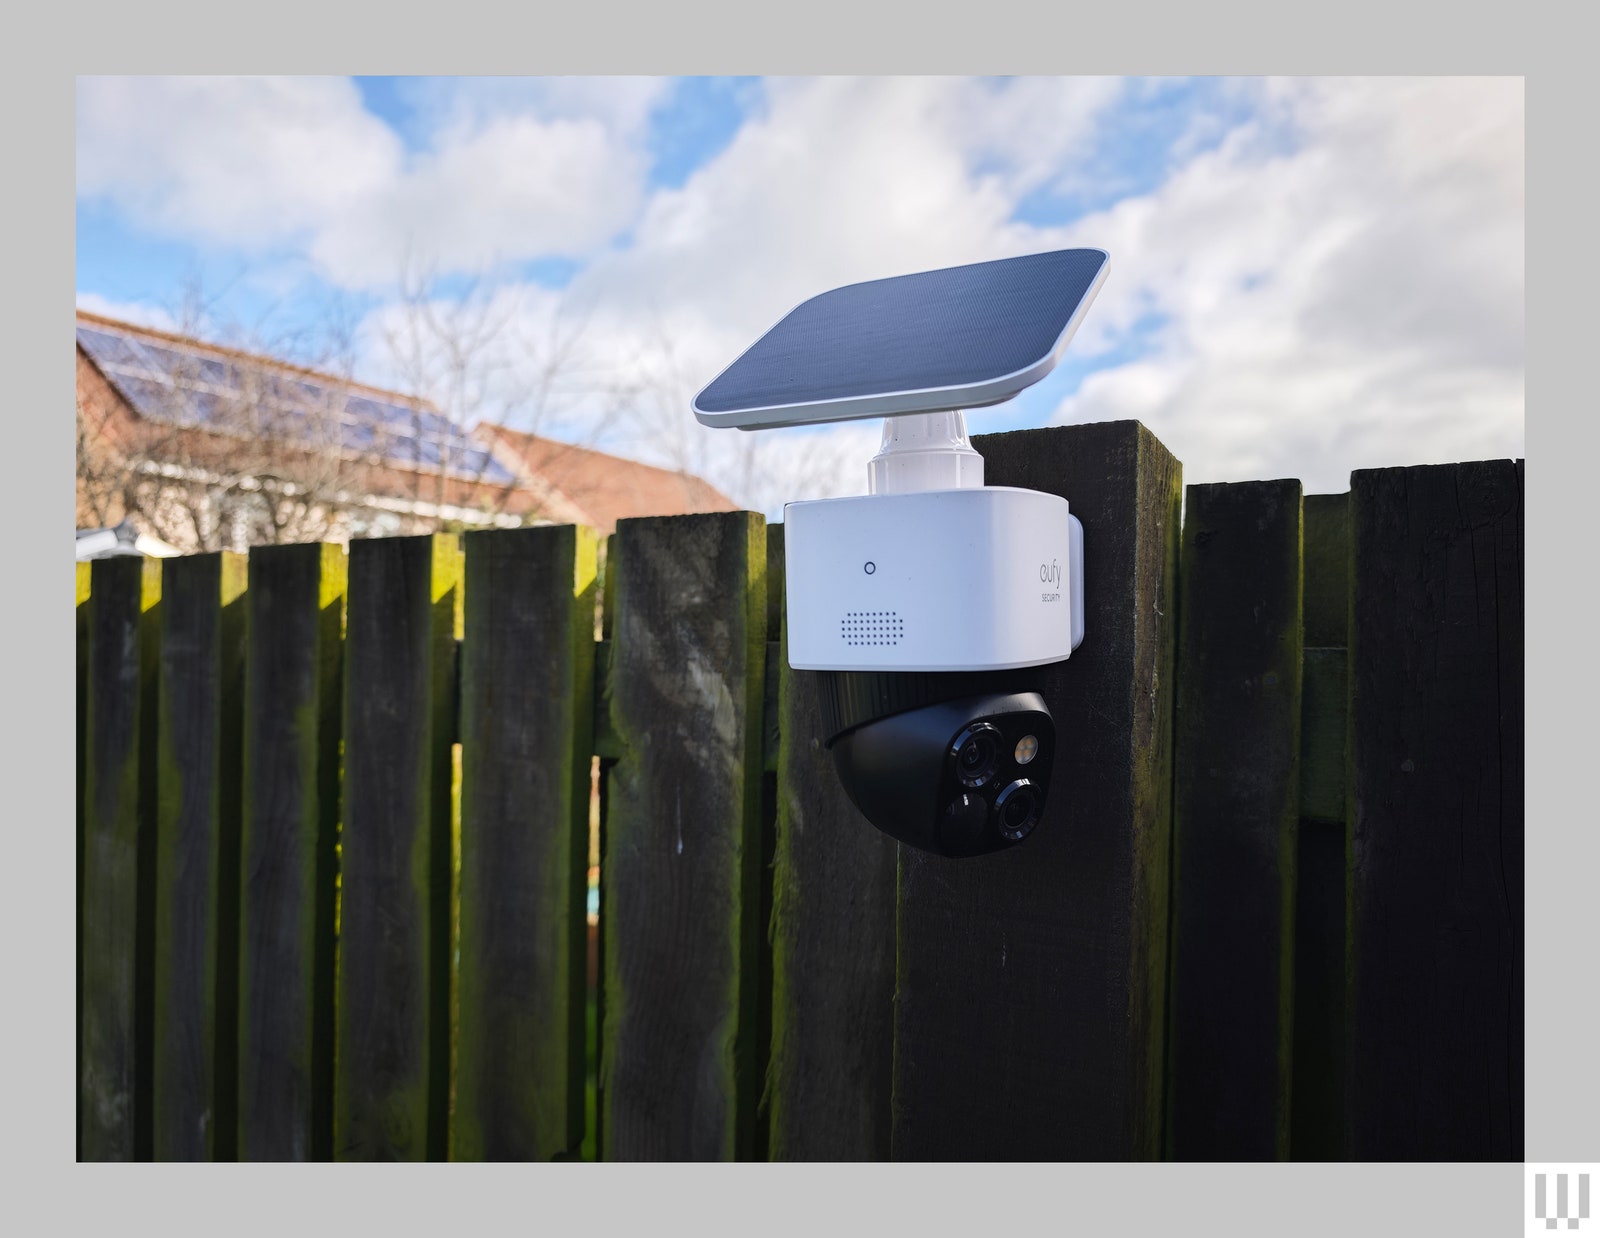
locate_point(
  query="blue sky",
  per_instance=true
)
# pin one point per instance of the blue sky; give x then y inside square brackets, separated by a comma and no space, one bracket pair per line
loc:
[1308,276]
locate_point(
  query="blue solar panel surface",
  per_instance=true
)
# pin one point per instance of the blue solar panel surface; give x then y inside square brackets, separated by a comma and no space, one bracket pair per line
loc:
[935,330]
[177,386]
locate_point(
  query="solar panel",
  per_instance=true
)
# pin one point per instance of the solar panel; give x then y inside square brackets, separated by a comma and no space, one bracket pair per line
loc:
[205,405]
[960,337]
[176,386]
[113,351]
[476,461]
[166,361]
[149,399]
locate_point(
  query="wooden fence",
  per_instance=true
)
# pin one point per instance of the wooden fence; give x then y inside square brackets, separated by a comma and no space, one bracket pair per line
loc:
[334,816]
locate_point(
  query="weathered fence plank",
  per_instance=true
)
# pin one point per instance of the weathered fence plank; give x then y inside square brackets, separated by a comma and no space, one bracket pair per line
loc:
[1031,983]
[682,842]
[1435,853]
[294,619]
[527,697]
[391,1083]
[118,842]
[1236,805]
[833,950]
[761,1049]
[1317,1089]
[81,617]
[607,759]
[197,858]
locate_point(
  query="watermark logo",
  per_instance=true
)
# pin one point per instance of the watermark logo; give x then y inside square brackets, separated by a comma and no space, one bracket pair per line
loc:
[1558,1199]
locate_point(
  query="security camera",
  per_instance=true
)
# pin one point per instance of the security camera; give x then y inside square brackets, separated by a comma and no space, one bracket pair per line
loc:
[923,604]
[959,778]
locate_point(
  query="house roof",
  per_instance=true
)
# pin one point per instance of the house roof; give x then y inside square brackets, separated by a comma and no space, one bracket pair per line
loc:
[173,379]
[595,488]
[177,380]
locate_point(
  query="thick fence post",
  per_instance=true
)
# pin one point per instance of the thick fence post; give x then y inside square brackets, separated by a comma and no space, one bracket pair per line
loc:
[1435,847]
[197,858]
[681,863]
[527,693]
[1235,810]
[1031,983]
[116,918]
[833,950]
[294,622]
[391,1085]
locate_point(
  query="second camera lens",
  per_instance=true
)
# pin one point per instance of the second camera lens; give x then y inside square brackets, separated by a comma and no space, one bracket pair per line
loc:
[977,753]
[1017,809]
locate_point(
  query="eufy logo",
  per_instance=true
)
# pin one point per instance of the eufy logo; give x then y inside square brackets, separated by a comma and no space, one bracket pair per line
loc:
[1050,574]
[1560,1200]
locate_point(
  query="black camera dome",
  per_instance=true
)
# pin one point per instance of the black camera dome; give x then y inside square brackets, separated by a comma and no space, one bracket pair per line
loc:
[959,776]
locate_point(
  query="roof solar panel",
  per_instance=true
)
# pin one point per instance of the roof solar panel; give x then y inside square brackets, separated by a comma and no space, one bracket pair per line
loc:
[960,337]
[149,399]
[166,360]
[174,385]
[113,351]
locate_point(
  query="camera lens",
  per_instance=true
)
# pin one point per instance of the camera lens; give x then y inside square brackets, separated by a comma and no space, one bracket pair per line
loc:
[1016,810]
[977,752]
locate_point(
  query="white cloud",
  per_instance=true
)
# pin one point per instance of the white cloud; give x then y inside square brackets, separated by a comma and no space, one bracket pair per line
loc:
[141,312]
[519,188]
[237,160]
[274,163]
[1026,132]
[465,104]
[1353,301]
[841,180]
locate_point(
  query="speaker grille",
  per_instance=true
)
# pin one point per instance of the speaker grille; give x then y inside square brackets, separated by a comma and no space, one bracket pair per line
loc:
[871,627]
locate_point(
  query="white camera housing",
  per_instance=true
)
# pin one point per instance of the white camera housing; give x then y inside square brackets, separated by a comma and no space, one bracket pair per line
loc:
[987,578]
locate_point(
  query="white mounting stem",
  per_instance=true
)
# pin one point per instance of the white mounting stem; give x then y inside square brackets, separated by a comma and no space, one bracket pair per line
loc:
[924,451]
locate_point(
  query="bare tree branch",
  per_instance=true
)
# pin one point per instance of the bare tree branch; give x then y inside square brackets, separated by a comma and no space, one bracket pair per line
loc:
[227,451]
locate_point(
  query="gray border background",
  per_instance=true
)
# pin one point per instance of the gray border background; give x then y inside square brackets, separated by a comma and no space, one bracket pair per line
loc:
[1563,875]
